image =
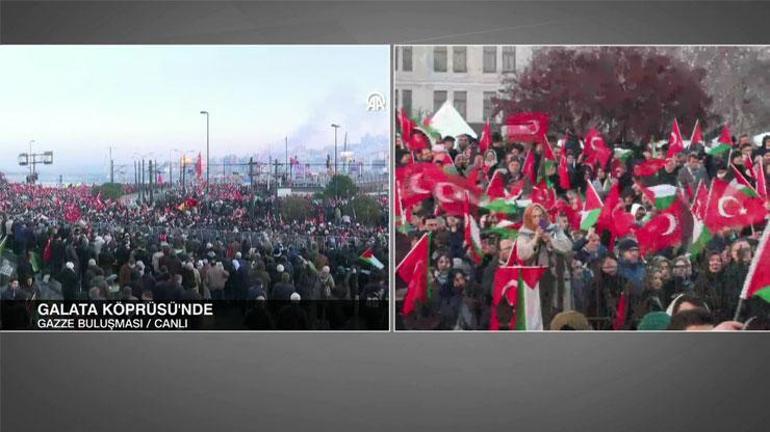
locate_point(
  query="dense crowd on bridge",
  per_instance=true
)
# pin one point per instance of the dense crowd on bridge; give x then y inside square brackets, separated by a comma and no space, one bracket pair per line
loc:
[527,230]
[230,243]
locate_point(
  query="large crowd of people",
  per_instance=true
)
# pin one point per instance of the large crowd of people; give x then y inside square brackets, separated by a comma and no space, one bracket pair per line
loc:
[608,275]
[230,243]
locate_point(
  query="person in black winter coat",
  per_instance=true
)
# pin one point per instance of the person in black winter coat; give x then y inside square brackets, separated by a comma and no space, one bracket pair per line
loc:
[710,285]
[68,279]
[283,289]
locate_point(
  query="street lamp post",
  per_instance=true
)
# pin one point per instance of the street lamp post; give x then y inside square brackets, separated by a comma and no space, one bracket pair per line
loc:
[335,126]
[206,113]
[33,159]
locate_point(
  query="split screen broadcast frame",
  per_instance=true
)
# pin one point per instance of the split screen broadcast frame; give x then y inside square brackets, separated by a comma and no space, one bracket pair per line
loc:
[489,191]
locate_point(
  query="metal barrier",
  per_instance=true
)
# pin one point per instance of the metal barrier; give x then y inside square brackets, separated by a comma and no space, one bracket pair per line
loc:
[263,237]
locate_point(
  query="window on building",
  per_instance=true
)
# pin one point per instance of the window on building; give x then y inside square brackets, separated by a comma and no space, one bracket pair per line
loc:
[395,61]
[439,59]
[489,105]
[509,59]
[460,100]
[439,97]
[406,101]
[406,54]
[460,59]
[490,59]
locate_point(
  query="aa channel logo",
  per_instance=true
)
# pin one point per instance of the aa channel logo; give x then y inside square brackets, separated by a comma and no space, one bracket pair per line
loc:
[375,102]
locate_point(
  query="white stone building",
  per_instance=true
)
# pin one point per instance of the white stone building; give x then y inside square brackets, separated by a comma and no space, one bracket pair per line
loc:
[468,75]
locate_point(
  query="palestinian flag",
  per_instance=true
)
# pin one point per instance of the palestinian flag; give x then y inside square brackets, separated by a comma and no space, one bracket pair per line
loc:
[473,239]
[508,206]
[369,258]
[622,154]
[723,144]
[592,208]
[504,229]
[549,161]
[518,285]
[725,137]
[717,149]
[701,237]
[758,278]
[497,200]
[662,195]
[35,262]
[741,183]
[528,312]
[413,269]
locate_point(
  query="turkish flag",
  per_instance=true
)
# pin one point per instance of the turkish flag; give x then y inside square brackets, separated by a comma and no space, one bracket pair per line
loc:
[699,201]
[543,195]
[675,141]
[413,269]
[528,170]
[496,187]
[486,138]
[414,186]
[663,230]
[564,182]
[732,205]
[697,134]
[421,181]
[595,149]
[527,127]
[407,127]
[649,167]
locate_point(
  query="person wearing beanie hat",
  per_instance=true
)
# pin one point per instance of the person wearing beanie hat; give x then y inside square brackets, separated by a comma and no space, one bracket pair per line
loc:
[654,321]
[630,266]
[295,297]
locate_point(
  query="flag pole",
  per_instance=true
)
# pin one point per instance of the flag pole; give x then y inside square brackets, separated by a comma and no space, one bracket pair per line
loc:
[738,309]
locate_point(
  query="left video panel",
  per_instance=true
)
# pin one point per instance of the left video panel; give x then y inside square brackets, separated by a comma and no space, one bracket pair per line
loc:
[194,187]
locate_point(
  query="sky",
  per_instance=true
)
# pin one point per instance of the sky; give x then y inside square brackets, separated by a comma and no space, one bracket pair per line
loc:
[77,101]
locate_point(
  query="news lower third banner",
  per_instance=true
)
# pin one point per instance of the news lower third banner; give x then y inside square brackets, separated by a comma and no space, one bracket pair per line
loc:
[193,315]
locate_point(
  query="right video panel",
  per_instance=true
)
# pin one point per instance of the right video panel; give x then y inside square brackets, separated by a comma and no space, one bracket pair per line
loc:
[582,187]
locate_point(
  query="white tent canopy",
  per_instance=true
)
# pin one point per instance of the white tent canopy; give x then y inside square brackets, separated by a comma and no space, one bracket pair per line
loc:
[448,122]
[758,138]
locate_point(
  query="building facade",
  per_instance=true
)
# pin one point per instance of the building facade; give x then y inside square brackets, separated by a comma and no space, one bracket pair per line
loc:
[468,76]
